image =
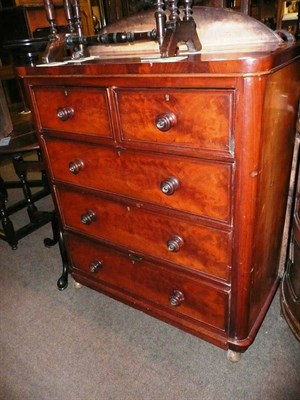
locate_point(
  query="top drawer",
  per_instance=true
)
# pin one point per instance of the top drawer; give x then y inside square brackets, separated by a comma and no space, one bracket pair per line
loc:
[74,109]
[192,119]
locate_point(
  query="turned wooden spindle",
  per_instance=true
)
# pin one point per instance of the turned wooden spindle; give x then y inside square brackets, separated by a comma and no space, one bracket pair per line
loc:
[160,18]
[77,17]
[188,10]
[69,15]
[50,13]
[174,11]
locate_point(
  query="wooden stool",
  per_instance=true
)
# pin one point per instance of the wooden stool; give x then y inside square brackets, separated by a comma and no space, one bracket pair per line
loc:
[22,142]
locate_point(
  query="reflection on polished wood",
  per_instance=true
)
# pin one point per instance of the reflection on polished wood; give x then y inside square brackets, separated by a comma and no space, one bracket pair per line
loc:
[290,288]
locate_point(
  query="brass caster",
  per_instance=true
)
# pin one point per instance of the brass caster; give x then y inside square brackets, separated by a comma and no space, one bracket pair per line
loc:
[233,356]
[77,285]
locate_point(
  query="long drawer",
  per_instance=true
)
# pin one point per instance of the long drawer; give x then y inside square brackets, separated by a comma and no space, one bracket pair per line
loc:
[191,118]
[164,237]
[155,284]
[74,109]
[194,186]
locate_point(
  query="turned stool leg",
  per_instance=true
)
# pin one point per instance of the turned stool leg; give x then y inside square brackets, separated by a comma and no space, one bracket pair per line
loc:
[3,189]
[8,228]
[22,174]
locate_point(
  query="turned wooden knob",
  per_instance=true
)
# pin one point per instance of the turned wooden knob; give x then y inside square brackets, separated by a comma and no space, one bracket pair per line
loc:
[169,185]
[88,217]
[176,298]
[174,243]
[65,113]
[166,121]
[76,166]
[95,266]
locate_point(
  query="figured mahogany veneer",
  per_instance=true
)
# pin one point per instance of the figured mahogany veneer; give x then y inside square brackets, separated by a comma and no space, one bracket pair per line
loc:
[171,181]
[139,110]
[139,278]
[74,110]
[141,229]
[145,177]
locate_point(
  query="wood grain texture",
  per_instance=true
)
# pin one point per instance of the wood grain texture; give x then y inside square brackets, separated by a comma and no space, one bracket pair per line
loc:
[231,150]
[152,282]
[132,226]
[204,186]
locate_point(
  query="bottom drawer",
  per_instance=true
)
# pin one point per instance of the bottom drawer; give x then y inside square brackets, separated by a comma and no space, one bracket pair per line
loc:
[157,285]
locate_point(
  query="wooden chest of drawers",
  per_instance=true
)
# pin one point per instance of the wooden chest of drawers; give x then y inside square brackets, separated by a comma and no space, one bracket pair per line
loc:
[171,182]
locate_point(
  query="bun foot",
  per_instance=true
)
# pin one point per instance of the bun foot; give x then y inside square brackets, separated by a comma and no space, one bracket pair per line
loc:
[233,356]
[77,285]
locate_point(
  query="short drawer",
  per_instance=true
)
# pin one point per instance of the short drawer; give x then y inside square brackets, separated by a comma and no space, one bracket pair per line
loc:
[152,283]
[186,184]
[74,109]
[195,119]
[175,240]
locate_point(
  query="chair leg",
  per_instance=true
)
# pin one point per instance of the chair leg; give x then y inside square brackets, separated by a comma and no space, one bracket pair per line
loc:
[9,233]
[62,282]
[55,231]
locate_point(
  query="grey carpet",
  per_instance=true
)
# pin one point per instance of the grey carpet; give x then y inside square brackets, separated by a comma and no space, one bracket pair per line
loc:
[81,345]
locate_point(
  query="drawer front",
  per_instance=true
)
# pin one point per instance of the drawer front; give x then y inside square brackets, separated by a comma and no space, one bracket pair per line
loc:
[189,185]
[73,109]
[198,119]
[155,283]
[172,239]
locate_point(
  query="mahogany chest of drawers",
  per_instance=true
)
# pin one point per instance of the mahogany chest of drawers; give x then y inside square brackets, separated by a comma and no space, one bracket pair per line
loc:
[171,182]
